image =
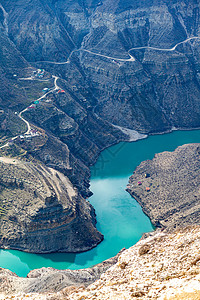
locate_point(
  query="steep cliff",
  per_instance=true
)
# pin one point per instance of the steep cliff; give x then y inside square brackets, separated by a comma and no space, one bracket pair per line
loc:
[134,65]
[106,77]
[144,93]
[40,211]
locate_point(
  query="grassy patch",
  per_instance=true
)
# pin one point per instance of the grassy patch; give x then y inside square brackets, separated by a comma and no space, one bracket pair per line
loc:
[10,126]
[12,151]
[32,89]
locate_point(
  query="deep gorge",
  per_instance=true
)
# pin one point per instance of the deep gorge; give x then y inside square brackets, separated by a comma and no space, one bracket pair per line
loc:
[119,216]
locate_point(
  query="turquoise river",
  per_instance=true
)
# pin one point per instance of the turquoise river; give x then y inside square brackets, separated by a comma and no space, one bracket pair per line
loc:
[119,216]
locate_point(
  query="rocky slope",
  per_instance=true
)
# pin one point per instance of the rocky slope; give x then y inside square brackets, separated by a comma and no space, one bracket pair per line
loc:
[168,187]
[49,280]
[146,94]
[68,125]
[149,93]
[164,266]
[89,47]
[106,82]
[41,212]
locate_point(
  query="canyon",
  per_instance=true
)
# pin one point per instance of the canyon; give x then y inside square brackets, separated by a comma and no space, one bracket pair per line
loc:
[120,68]
[77,77]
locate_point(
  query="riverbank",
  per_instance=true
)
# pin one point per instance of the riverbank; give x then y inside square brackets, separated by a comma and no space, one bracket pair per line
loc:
[168,187]
[163,266]
[45,281]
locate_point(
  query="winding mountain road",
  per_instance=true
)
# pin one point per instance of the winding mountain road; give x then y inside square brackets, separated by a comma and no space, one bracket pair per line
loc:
[165,49]
[109,57]
[91,52]
[56,87]
[121,59]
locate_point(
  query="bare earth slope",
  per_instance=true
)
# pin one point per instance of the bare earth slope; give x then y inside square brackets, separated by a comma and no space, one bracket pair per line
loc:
[173,180]
[158,267]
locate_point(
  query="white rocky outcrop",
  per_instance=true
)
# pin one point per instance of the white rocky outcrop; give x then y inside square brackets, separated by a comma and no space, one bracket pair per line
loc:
[163,266]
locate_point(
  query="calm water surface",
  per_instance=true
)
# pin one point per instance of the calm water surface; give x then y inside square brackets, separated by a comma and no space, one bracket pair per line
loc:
[119,216]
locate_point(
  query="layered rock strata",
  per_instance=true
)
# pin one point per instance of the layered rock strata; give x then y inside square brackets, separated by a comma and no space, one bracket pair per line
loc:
[123,63]
[41,212]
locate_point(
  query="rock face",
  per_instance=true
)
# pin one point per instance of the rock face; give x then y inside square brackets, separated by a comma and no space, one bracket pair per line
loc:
[106,80]
[168,187]
[163,266]
[159,267]
[41,212]
[74,132]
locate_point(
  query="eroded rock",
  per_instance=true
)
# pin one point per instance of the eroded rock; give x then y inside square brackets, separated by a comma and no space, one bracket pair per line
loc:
[41,212]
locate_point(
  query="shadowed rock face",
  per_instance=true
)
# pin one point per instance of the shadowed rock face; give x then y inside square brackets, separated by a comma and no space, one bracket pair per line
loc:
[150,94]
[41,212]
[148,90]
[173,183]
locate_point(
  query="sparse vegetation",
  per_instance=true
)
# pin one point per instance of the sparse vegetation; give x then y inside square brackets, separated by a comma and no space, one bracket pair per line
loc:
[10,126]
[13,151]
[32,89]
